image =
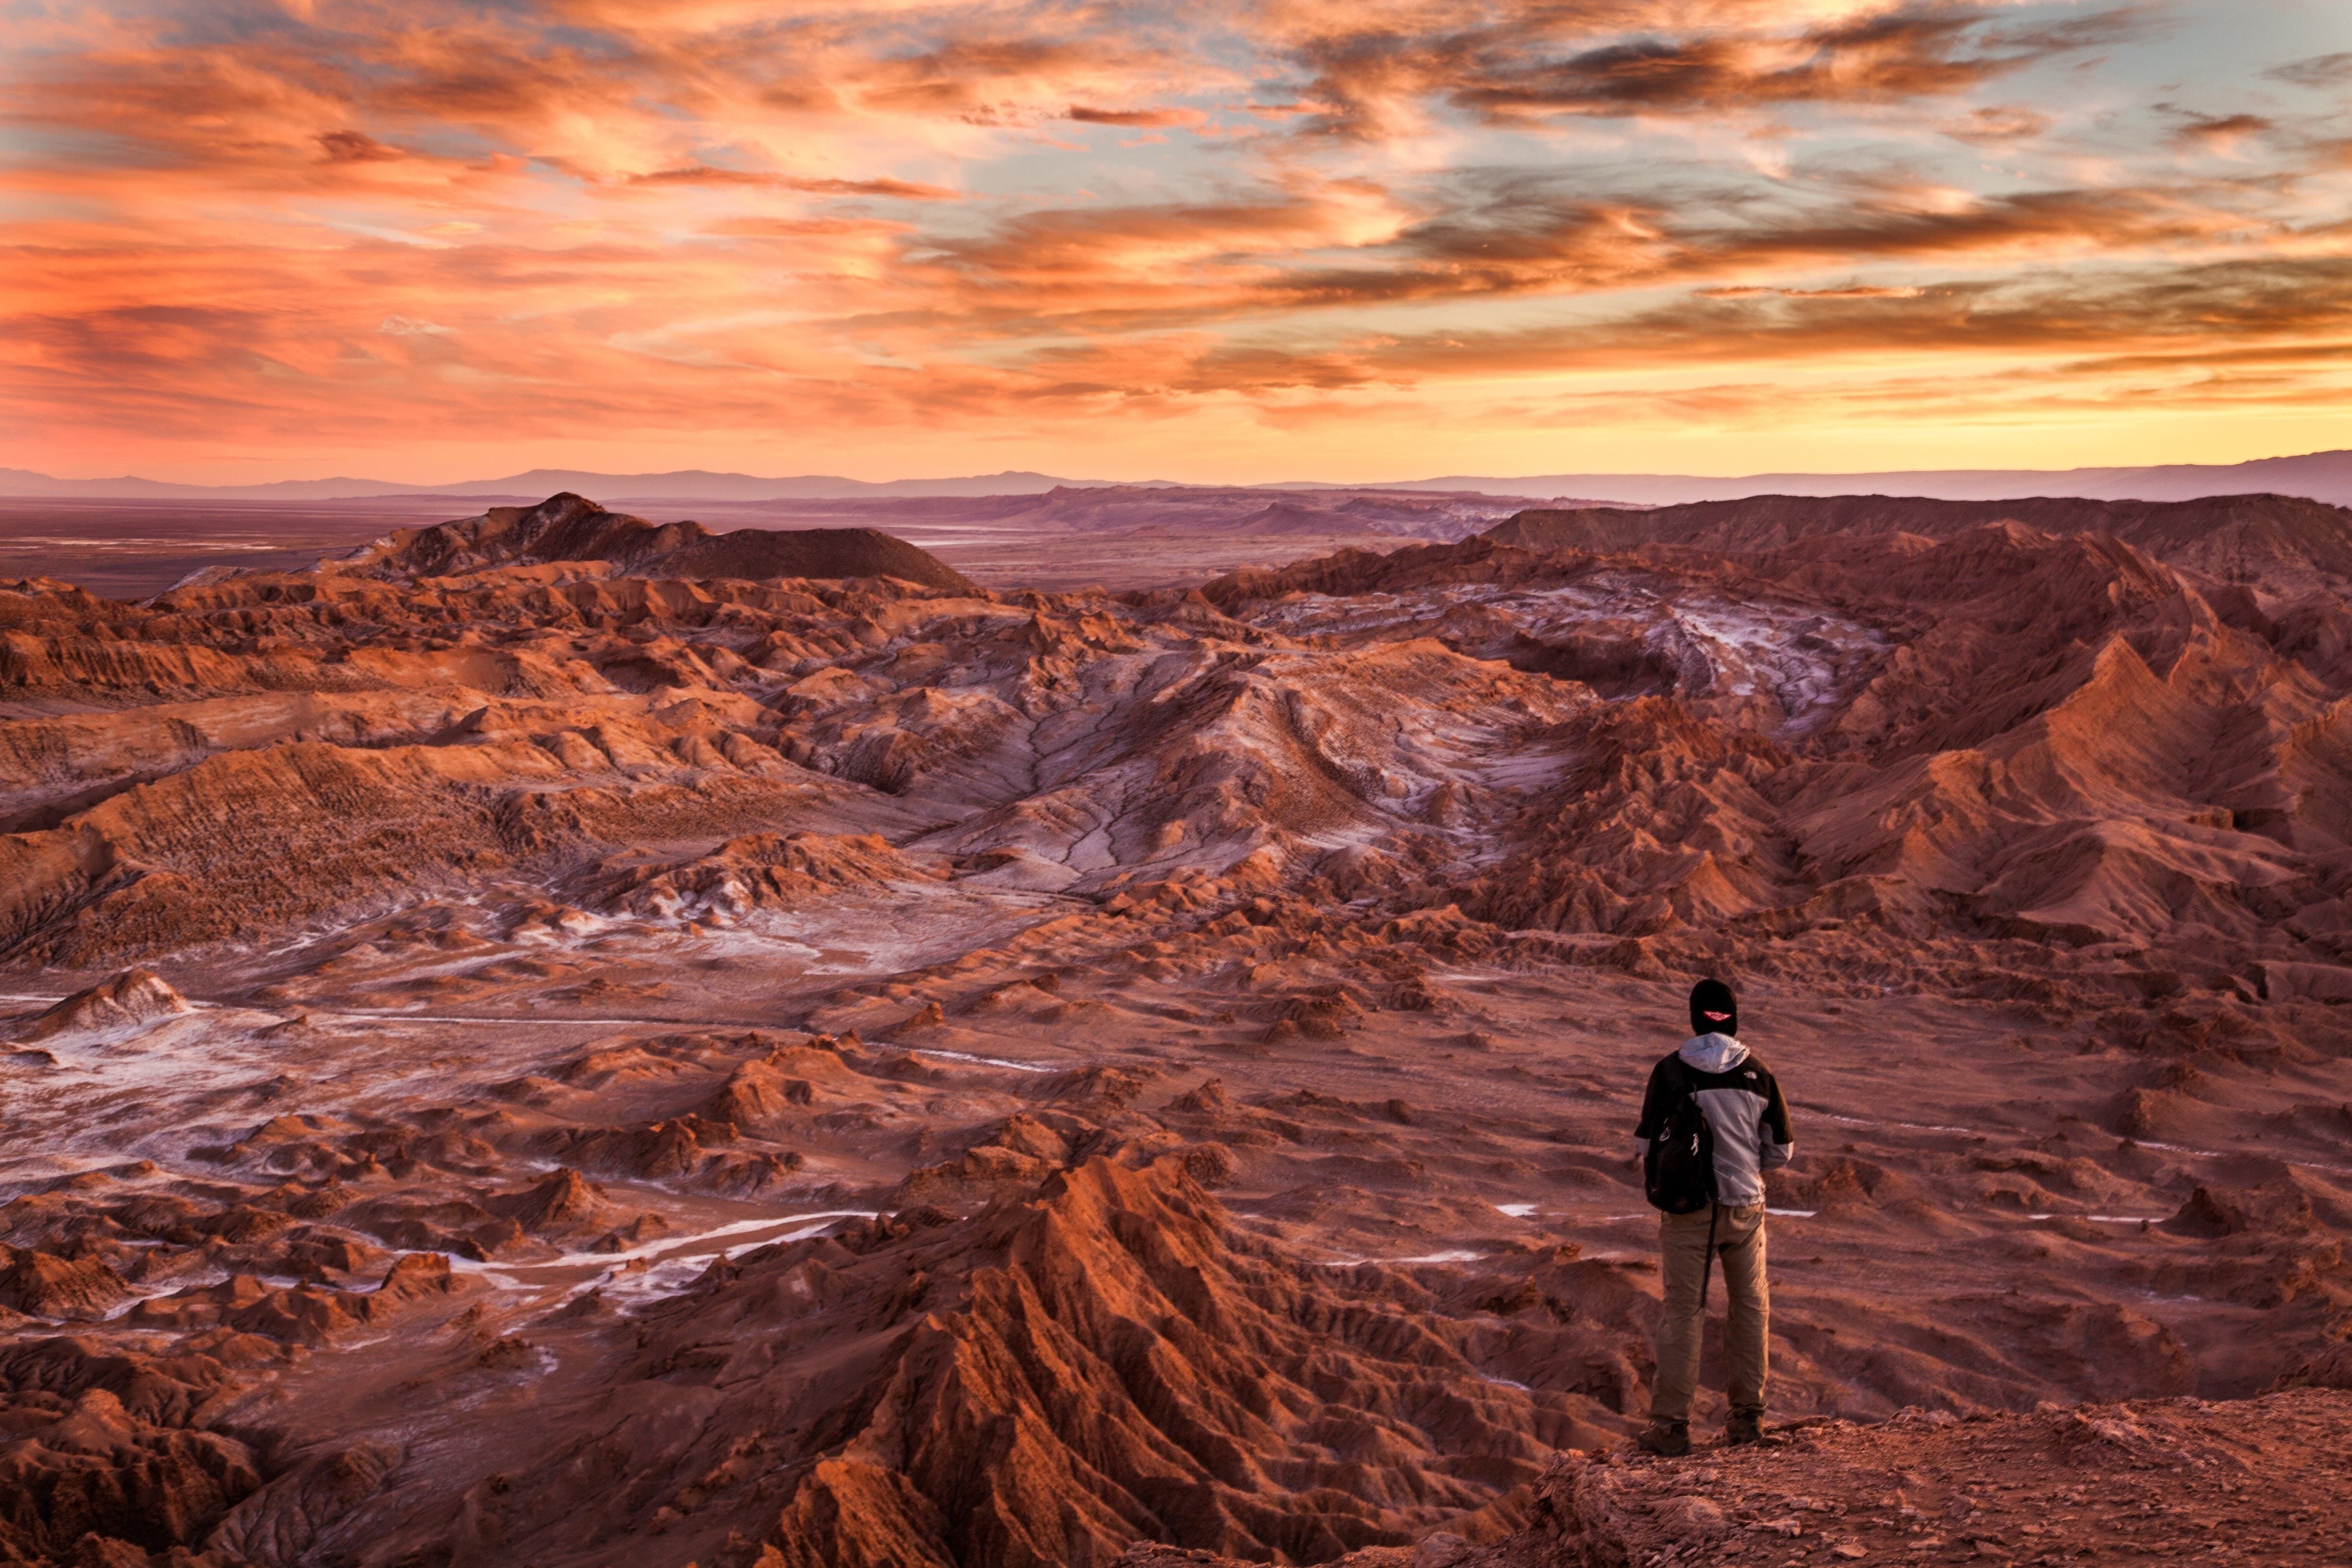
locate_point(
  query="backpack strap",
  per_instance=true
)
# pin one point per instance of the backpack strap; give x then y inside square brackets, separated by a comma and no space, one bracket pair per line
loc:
[1674,1079]
[1687,1080]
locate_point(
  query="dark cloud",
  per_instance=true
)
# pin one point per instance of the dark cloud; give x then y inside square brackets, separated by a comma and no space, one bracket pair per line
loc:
[1897,55]
[2146,307]
[1092,242]
[982,80]
[2190,305]
[1995,124]
[2319,71]
[355,147]
[1138,117]
[1522,243]
[2095,30]
[2216,133]
[703,174]
[1553,61]
[1851,291]
[2083,219]
[743,227]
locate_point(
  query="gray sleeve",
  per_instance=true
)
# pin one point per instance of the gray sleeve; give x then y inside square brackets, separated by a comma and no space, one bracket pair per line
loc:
[1778,1145]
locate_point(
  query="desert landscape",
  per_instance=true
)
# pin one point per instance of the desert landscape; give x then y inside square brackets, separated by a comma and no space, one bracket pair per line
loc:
[1114,536]
[945,785]
[557,1039]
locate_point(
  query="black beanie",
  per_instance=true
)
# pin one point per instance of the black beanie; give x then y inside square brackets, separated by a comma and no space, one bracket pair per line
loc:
[1714,997]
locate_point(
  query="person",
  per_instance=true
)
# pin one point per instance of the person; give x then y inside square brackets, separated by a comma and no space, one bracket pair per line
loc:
[1744,1110]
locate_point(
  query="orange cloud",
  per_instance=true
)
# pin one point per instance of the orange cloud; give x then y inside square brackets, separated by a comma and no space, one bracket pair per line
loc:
[703,175]
[784,236]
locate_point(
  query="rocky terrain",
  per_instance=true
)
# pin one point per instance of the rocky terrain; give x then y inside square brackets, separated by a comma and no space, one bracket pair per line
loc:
[563,1039]
[2156,1480]
[2283,544]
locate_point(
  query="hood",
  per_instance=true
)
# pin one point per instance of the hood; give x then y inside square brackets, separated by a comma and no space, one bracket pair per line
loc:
[1714,997]
[1714,1053]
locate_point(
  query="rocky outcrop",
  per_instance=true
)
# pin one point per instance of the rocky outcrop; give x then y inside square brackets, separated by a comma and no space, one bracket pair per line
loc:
[44,1286]
[569,526]
[1100,1362]
[101,1454]
[123,1005]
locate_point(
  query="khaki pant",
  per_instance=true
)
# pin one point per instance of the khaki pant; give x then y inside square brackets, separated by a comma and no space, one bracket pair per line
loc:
[1682,1249]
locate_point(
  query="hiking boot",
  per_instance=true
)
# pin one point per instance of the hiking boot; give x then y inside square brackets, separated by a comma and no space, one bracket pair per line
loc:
[1745,1426]
[1667,1439]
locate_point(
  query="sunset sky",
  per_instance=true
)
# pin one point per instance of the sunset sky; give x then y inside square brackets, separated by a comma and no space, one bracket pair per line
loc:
[1353,241]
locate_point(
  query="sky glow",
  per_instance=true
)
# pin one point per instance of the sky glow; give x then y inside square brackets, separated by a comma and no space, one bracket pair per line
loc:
[1203,242]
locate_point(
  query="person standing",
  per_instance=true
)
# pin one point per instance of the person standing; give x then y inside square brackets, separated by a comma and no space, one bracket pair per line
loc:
[1713,1121]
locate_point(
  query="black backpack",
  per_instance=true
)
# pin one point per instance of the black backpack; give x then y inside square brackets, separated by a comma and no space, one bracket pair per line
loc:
[1678,1167]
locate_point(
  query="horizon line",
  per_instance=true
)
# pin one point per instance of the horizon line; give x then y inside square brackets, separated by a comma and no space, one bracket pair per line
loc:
[392,488]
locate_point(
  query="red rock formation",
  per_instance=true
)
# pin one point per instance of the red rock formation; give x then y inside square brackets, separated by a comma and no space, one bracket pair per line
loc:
[573,527]
[1102,1362]
[131,998]
[49,1287]
[100,1455]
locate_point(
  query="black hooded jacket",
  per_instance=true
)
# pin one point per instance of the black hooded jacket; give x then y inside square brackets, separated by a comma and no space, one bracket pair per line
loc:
[1736,1094]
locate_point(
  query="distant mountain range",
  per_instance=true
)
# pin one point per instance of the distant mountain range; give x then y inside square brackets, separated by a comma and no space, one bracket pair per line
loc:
[685,484]
[2321,475]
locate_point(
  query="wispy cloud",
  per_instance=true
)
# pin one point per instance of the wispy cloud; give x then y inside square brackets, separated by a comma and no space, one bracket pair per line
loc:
[2318,72]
